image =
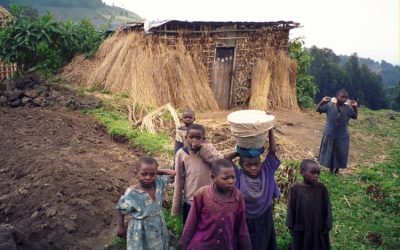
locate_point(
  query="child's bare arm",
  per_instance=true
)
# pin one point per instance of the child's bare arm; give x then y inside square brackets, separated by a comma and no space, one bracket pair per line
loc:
[272,143]
[209,153]
[324,100]
[354,106]
[165,171]
[121,232]
[179,184]
[231,155]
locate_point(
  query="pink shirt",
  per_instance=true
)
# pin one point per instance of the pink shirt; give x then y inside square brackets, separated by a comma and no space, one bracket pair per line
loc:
[216,224]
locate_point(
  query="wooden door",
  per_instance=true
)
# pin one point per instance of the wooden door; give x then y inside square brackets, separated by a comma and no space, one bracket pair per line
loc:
[222,76]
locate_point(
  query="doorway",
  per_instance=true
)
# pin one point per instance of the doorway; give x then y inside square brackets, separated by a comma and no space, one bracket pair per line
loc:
[222,75]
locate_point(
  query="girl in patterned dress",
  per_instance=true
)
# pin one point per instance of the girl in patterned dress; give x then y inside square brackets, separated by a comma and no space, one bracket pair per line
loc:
[146,229]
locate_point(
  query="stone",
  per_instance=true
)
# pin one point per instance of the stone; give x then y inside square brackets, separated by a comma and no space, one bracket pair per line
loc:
[3,100]
[38,101]
[26,100]
[40,88]
[10,85]
[51,212]
[31,93]
[79,202]
[70,226]
[15,103]
[18,93]
[23,191]
[35,214]
[73,216]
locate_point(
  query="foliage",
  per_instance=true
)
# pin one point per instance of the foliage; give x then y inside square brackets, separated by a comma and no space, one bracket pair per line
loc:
[174,224]
[363,85]
[95,10]
[44,43]
[306,87]
[390,73]
[118,126]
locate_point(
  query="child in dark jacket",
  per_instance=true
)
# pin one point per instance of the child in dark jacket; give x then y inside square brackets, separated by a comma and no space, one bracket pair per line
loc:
[309,216]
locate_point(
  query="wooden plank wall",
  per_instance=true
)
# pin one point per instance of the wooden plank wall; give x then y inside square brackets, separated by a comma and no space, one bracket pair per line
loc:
[6,70]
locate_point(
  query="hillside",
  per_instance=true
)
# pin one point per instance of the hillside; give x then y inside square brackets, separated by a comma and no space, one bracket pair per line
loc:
[390,73]
[94,10]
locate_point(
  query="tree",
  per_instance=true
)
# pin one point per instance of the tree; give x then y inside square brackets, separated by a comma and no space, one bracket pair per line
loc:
[305,84]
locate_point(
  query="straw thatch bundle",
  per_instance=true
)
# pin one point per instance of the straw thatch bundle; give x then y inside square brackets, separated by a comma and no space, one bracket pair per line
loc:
[152,73]
[274,82]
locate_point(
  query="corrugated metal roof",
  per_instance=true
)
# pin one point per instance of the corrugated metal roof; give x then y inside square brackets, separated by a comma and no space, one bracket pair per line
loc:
[154,25]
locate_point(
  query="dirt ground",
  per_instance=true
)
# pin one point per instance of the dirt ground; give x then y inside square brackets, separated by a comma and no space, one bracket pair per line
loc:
[60,177]
[61,174]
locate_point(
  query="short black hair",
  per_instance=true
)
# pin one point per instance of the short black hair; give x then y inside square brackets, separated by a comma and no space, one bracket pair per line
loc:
[220,163]
[146,160]
[190,111]
[342,91]
[306,163]
[195,126]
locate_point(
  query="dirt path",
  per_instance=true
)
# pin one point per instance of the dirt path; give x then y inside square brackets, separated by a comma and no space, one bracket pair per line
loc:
[60,176]
[298,136]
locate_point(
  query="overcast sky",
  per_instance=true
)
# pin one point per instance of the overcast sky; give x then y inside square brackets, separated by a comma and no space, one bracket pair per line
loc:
[371,28]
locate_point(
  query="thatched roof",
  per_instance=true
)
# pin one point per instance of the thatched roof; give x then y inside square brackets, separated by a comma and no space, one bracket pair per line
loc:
[4,12]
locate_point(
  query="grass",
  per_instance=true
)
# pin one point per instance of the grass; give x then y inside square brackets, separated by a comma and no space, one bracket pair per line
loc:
[365,204]
[118,126]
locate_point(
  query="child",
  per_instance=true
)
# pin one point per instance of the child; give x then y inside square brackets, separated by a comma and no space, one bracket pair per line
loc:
[309,216]
[256,182]
[188,117]
[334,149]
[146,229]
[192,165]
[217,217]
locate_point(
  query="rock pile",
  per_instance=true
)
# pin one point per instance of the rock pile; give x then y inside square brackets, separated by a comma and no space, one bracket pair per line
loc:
[29,91]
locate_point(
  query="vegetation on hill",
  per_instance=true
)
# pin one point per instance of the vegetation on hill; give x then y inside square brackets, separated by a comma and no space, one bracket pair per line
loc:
[363,84]
[390,73]
[95,10]
[44,43]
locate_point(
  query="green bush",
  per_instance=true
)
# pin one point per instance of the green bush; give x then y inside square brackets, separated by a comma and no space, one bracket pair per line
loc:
[44,43]
[305,84]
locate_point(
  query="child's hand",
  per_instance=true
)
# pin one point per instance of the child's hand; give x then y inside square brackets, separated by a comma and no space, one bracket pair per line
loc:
[325,99]
[197,145]
[121,232]
[353,104]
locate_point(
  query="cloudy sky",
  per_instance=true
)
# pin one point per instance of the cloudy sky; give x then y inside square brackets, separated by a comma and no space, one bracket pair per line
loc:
[371,28]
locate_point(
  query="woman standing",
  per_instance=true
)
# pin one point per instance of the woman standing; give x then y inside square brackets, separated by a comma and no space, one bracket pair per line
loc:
[334,149]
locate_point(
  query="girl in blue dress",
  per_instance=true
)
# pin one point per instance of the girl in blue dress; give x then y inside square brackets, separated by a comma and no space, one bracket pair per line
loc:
[334,149]
[146,229]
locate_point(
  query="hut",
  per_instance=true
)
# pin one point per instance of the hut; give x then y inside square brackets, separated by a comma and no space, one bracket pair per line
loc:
[240,64]
[6,70]
[229,51]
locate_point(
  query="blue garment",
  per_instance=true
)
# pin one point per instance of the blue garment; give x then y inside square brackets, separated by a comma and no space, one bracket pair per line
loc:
[249,153]
[146,229]
[259,191]
[334,149]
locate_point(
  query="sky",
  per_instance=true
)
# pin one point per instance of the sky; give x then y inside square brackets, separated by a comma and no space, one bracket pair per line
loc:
[370,28]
